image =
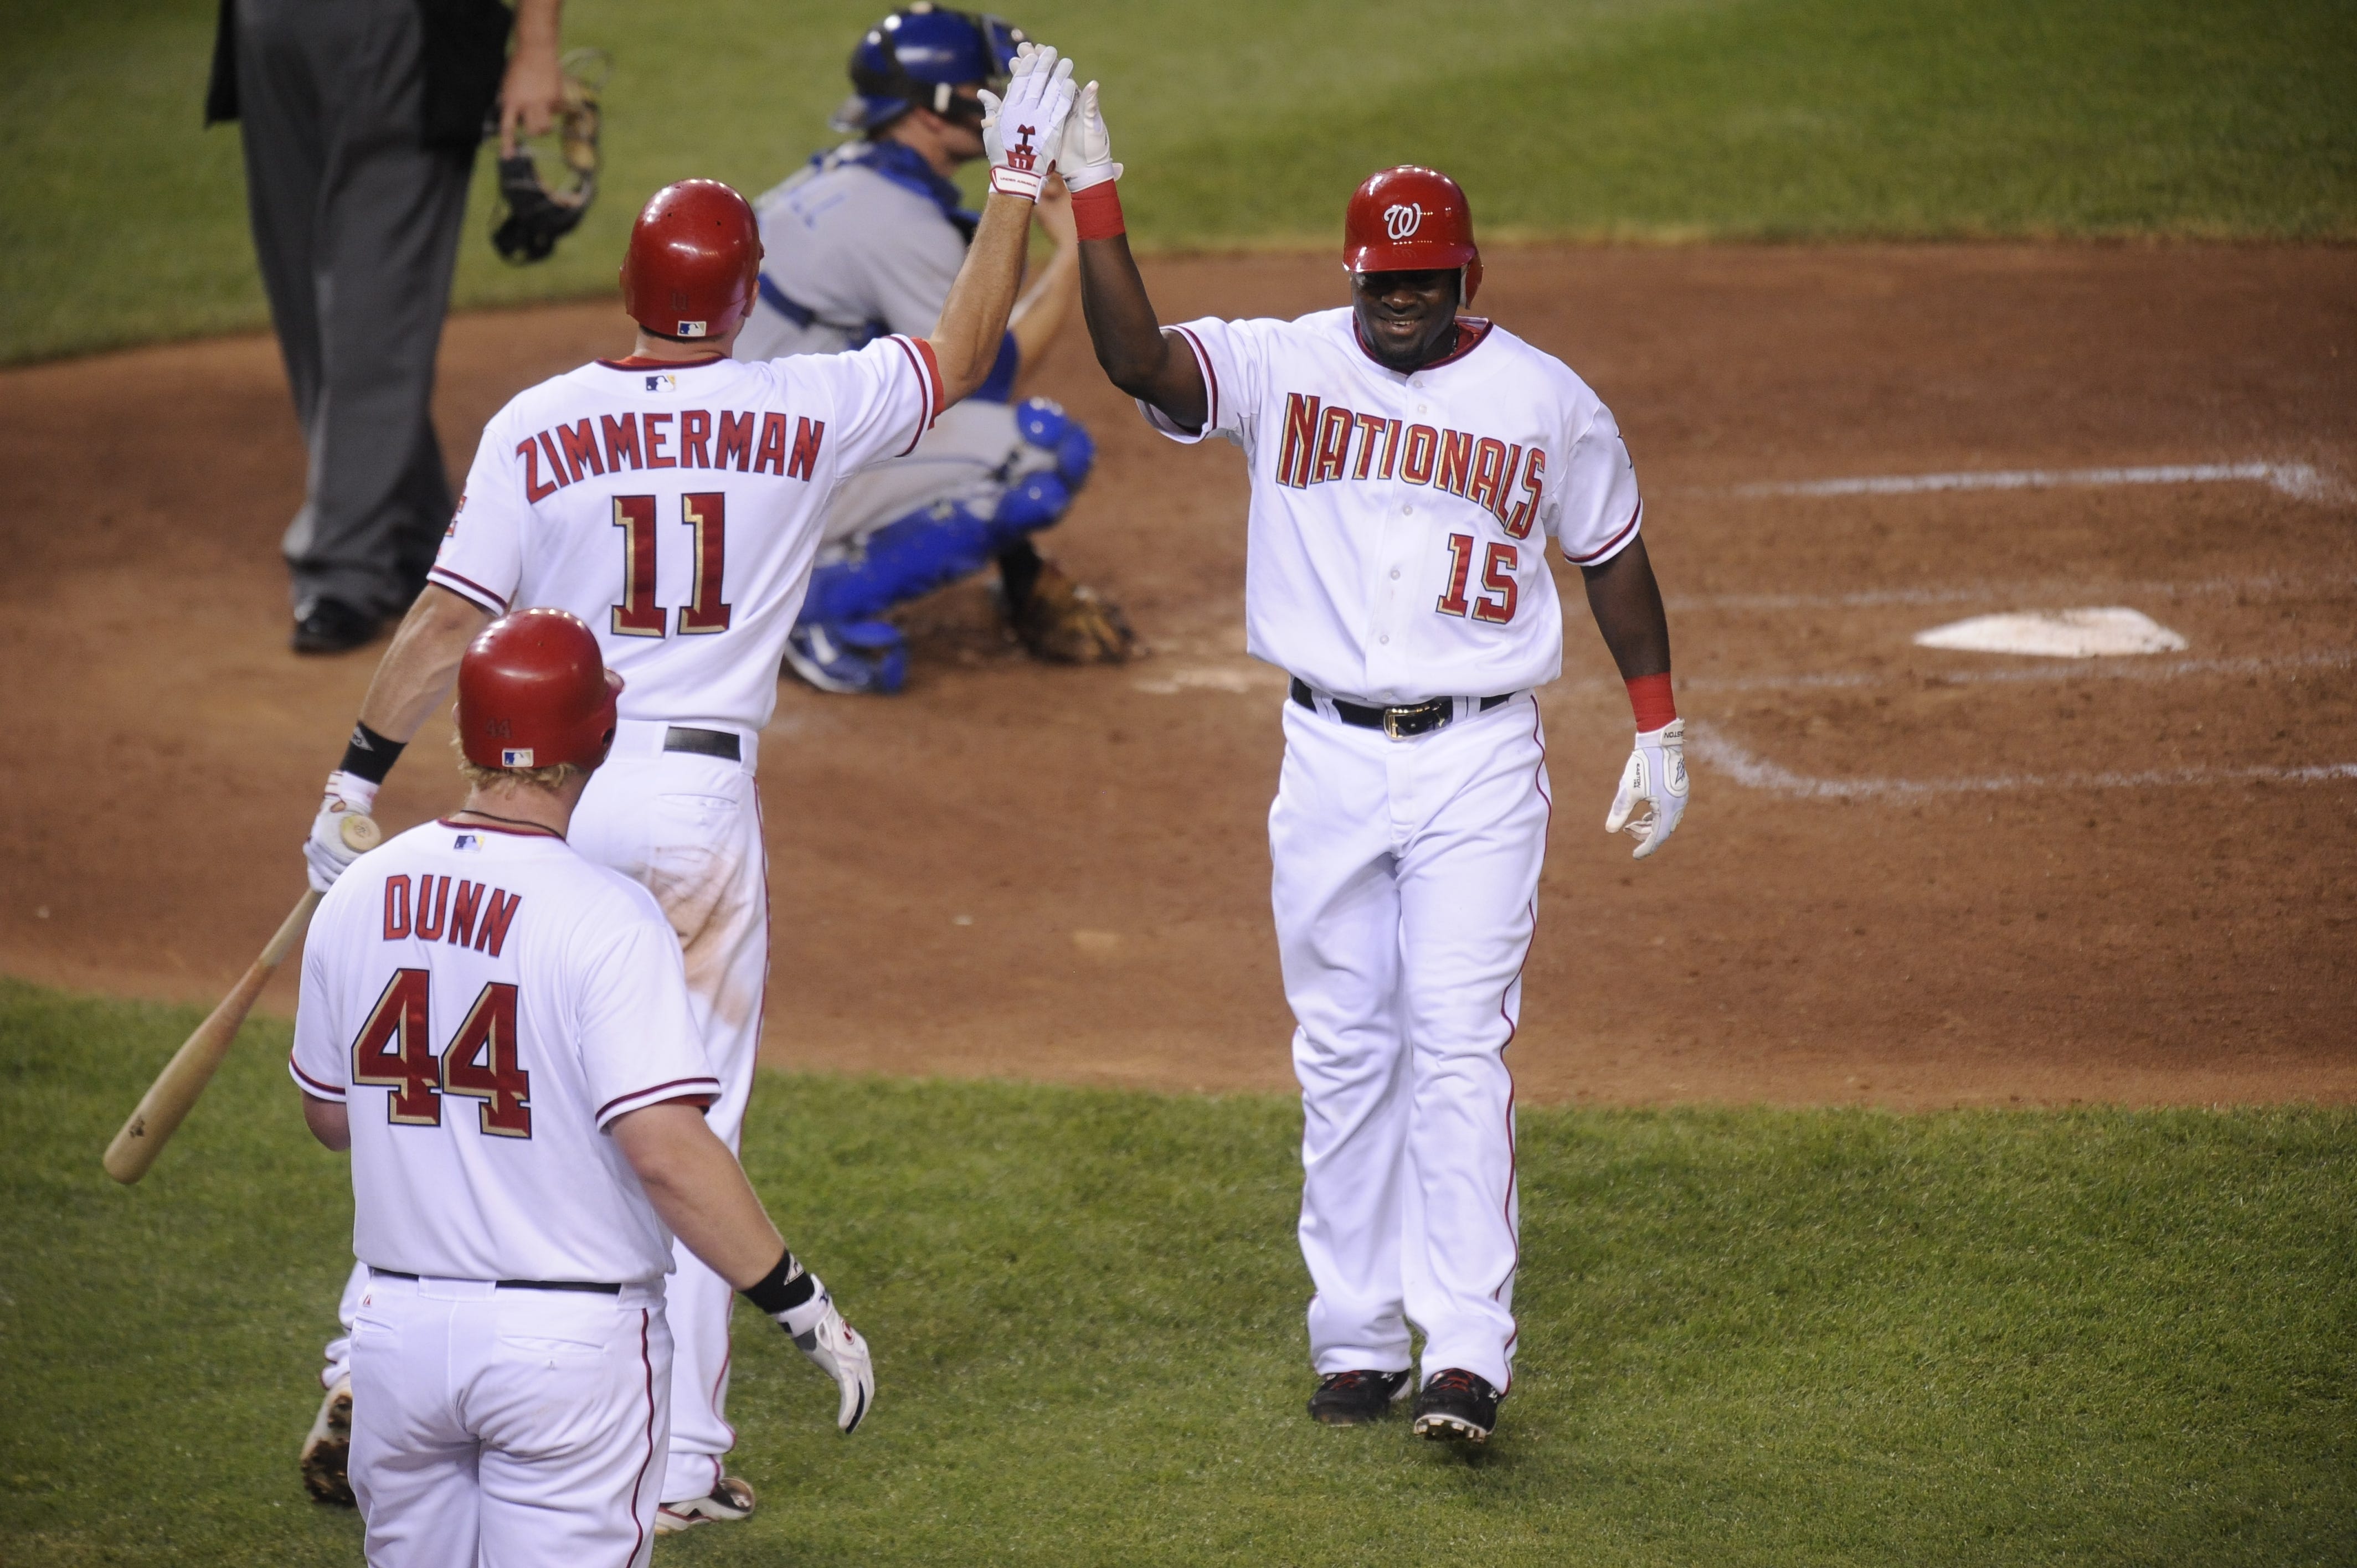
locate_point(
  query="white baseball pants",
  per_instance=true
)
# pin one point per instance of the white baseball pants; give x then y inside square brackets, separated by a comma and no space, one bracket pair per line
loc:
[688,828]
[1406,890]
[508,1428]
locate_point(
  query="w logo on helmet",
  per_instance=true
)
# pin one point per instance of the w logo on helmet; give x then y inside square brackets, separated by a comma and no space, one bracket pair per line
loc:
[1402,220]
[1022,154]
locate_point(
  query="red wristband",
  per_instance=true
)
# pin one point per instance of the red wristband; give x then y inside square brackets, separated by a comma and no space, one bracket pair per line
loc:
[1096,212]
[1648,696]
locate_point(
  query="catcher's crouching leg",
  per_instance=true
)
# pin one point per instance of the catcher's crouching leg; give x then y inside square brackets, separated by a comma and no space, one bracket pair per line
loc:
[1053,616]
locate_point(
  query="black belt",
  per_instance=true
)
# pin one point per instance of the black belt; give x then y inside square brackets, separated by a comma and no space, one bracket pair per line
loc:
[1416,718]
[704,741]
[515,1285]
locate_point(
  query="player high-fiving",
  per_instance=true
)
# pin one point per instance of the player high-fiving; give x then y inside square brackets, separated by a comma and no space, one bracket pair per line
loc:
[672,500]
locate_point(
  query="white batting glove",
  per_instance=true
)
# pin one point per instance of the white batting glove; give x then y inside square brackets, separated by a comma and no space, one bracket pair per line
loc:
[820,1333]
[1655,777]
[1022,132]
[325,852]
[1088,160]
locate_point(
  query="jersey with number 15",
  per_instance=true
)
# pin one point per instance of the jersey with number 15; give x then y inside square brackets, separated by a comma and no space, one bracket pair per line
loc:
[676,509]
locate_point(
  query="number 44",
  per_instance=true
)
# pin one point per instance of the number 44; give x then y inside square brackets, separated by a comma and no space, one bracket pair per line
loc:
[1498,566]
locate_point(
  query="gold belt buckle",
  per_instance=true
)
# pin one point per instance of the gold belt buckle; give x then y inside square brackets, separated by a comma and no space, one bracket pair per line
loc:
[1391,723]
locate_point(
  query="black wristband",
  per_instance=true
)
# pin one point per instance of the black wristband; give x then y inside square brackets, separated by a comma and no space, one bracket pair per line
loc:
[783,1288]
[369,756]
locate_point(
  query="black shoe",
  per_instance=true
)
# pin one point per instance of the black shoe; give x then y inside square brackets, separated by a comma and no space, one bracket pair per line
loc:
[1456,1403]
[1352,1398]
[327,626]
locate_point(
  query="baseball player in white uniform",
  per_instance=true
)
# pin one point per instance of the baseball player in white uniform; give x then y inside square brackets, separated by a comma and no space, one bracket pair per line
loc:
[864,239]
[1409,465]
[674,500]
[498,1029]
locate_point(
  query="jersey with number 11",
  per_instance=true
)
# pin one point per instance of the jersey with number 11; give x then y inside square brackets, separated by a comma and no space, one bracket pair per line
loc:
[676,509]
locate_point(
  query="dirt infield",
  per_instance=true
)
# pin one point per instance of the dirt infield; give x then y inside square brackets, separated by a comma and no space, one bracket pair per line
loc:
[1909,878]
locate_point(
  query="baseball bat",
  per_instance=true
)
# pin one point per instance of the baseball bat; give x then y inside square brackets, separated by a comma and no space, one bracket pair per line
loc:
[168,1100]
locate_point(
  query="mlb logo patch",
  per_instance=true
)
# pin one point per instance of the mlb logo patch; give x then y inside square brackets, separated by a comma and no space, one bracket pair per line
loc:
[515,757]
[468,841]
[691,328]
[662,383]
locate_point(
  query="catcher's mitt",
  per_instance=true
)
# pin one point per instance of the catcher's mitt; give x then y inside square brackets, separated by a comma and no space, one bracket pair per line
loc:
[1066,623]
[531,217]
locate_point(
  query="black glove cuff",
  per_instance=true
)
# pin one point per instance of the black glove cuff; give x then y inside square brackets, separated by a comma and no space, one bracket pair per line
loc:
[783,1288]
[369,756]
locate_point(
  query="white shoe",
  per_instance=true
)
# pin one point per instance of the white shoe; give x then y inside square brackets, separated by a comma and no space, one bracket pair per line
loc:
[730,1498]
[328,1447]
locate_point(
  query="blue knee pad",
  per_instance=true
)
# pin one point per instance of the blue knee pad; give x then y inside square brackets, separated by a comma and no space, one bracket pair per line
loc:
[1045,424]
[928,549]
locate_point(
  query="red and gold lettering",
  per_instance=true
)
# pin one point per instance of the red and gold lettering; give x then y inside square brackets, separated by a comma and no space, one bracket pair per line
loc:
[656,457]
[580,444]
[771,457]
[1333,443]
[392,1052]
[496,915]
[638,614]
[1455,462]
[1527,511]
[735,436]
[1370,427]
[695,435]
[708,514]
[1300,440]
[1460,568]
[433,903]
[622,439]
[396,908]
[1423,445]
[808,434]
[1506,480]
[463,904]
[555,463]
[1391,449]
[533,490]
[482,1064]
[1498,576]
[1489,473]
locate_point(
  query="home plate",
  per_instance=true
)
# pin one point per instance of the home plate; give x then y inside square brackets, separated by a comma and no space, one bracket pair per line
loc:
[2057,634]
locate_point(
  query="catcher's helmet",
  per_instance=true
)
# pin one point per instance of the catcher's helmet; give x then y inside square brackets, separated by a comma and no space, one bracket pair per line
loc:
[534,692]
[1411,219]
[919,56]
[694,262]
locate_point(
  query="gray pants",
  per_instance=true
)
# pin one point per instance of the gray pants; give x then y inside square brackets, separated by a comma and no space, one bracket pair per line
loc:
[356,225]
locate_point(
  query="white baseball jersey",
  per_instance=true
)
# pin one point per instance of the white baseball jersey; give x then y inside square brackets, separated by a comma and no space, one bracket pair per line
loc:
[1399,523]
[677,509]
[484,1003]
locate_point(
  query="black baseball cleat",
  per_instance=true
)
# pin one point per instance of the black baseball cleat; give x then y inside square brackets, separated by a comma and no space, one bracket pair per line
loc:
[1457,1405]
[1355,1398]
[330,626]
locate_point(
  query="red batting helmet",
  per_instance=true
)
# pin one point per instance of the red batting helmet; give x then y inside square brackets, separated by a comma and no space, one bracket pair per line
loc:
[533,693]
[1409,220]
[694,262]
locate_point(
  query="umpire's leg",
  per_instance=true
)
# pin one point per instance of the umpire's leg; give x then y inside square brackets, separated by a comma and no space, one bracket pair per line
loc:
[357,225]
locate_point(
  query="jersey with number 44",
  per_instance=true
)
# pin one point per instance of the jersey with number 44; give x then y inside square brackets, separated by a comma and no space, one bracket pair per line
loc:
[677,509]
[1399,521]
[485,1003]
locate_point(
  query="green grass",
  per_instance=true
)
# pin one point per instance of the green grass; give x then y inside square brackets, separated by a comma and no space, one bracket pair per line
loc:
[1243,123]
[1748,1338]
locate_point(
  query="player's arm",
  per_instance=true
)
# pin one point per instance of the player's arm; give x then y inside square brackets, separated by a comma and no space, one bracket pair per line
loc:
[1627,603]
[1040,314]
[1020,132]
[700,1190]
[1137,356]
[329,1122]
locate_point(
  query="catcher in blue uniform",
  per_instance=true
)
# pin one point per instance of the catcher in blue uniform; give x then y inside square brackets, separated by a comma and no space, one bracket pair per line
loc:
[864,241]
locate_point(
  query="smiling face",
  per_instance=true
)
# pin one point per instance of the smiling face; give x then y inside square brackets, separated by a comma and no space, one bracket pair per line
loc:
[1406,318]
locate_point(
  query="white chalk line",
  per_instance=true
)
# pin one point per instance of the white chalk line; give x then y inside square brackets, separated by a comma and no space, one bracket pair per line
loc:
[2074,670]
[1705,745]
[2303,481]
[2081,591]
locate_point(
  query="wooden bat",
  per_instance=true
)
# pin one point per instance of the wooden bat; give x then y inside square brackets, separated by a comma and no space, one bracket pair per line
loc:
[184,1077]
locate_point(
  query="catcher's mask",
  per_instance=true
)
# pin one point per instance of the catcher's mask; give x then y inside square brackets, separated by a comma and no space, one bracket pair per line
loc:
[919,57]
[531,217]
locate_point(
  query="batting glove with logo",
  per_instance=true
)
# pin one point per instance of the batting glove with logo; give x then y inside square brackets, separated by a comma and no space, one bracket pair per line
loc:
[1022,132]
[792,1295]
[1655,777]
[1088,160]
[325,852]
